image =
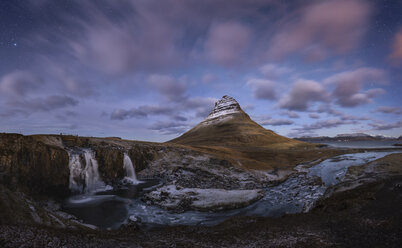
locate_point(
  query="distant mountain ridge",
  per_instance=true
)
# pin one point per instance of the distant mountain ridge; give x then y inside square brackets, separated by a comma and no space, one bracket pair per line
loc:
[348,137]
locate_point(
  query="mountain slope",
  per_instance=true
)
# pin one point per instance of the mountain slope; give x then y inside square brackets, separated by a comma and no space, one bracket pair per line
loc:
[229,133]
[229,125]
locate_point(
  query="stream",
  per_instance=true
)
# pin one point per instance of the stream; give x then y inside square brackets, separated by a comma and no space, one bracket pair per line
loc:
[111,208]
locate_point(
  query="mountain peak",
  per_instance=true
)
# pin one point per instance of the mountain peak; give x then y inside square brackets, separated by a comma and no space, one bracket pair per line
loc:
[225,106]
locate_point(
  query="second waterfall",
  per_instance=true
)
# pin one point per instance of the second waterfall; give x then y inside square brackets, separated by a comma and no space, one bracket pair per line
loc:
[130,171]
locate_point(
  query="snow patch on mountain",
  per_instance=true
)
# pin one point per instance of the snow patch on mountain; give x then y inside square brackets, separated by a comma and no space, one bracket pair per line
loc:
[224,107]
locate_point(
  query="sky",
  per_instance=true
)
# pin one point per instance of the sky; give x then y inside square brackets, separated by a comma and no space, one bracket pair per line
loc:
[151,69]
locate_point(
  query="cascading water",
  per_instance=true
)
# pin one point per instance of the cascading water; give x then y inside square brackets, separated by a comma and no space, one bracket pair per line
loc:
[84,179]
[92,178]
[130,171]
[76,178]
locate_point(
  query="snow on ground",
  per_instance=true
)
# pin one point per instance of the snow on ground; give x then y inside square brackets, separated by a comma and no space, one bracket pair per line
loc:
[172,197]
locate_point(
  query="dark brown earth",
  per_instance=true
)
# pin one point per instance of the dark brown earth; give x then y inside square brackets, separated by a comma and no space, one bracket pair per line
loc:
[368,216]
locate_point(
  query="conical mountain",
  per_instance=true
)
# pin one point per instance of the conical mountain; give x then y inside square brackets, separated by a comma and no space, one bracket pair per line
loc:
[228,125]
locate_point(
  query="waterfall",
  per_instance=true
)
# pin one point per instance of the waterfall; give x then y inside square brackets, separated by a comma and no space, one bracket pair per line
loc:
[85,179]
[130,172]
[92,178]
[76,180]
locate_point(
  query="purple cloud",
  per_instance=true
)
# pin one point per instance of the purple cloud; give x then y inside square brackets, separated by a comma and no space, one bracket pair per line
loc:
[169,128]
[314,116]
[386,126]
[324,124]
[122,114]
[262,88]
[171,88]
[48,103]
[302,93]
[348,86]
[19,83]
[335,26]
[273,71]
[291,114]
[396,54]
[226,42]
[209,78]
[388,110]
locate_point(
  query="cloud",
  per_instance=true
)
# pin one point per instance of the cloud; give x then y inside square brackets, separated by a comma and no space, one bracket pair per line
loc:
[198,105]
[201,106]
[323,124]
[386,126]
[326,108]
[59,75]
[335,25]
[262,88]
[168,128]
[302,93]
[209,78]
[396,53]
[44,104]
[19,83]
[276,122]
[291,114]
[141,111]
[273,71]
[226,42]
[122,114]
[388,110]
[346,117]
[139,40]
[348,86]
[314,116]
[171,88]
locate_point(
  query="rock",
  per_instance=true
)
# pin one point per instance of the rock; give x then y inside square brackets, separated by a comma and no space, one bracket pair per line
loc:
[110,162]
[39,167]
[181,200]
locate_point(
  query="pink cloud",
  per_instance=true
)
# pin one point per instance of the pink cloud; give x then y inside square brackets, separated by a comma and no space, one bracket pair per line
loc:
[396,54]
[226,42]
[335,26]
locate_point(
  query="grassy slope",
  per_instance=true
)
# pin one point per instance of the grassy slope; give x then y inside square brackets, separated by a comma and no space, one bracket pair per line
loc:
[245,143]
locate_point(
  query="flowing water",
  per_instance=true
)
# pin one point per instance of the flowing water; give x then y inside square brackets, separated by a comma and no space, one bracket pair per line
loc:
[131,177]
[112,208]
[84,177]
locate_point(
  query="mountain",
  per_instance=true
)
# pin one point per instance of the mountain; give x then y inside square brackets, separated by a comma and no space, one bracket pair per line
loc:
[228,132]
[346,137]
[353,135]
[229,125]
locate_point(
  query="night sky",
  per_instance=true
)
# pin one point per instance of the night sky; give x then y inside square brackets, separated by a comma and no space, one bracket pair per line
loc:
[152,69]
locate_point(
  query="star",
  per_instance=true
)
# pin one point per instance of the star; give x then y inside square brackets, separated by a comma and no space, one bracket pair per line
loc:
[15,44]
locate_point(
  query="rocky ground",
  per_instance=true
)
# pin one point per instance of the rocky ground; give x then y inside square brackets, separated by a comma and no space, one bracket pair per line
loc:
[367,216]
[363,211]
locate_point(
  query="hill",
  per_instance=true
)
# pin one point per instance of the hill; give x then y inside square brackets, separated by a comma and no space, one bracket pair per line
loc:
[230,133]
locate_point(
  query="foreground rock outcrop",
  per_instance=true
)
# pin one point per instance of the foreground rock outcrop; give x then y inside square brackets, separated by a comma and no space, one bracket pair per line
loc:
[26,162]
